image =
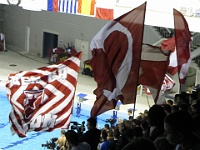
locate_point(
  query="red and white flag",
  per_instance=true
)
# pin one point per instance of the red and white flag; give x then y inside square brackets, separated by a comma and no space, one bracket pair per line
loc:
[105,9]
[167,84]
[153,67]
[42,99]
[182,40]
[116,51]
[169,44]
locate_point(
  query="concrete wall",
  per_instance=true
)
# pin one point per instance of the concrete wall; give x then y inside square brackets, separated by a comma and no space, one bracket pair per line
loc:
[1,19]
[69,27]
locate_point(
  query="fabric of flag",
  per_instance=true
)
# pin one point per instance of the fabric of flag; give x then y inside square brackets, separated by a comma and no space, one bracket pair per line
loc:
[182,40]
[167,84]
[105,9]
[52,5]
[42,99]
[169,44]
[116,61]
[68,6]
[86,7]
[153,67]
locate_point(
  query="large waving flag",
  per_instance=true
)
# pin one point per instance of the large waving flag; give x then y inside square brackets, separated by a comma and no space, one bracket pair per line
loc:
[182,40]
[42,99]
[153,67]
[105,9]
[86,7]
[116,51]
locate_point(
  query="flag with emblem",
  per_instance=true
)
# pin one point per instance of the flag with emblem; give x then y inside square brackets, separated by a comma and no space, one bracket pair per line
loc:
[42,99]
[116,61]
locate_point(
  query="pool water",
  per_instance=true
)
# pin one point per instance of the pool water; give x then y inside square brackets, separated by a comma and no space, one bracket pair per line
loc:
[34,140]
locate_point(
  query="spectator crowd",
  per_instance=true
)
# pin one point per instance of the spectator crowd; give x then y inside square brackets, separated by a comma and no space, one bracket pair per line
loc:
[171,126]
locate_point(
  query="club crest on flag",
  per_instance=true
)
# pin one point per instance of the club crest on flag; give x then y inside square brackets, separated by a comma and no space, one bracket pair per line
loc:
[42,99]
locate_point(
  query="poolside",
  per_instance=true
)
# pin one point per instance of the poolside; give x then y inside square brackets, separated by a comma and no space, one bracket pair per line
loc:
[85,85]
[34,140]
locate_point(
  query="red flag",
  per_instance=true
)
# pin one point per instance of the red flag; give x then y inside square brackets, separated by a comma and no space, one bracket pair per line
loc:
[116,51]
[183,39]
[154,63]
[105,9]
[42,99]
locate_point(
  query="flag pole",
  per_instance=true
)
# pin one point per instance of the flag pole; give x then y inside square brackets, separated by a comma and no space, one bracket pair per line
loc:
[134,109]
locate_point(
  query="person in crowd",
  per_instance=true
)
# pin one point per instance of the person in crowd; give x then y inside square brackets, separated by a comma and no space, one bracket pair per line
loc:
[137,132]
[156,117]
[73,142]
[178,99]
[104,145]
[116,137]
[122,140]
[170,102]
[106,127]
[92,136]
[127,124]
[195,111]
[145,126]
[167,109]
[129,134]
[61,140]
[130,118]
[140,144]
[183,106]
[174,108]
[162,143]
[179,128]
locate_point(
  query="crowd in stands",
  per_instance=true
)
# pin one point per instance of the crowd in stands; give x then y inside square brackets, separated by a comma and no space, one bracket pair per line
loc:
[171,126]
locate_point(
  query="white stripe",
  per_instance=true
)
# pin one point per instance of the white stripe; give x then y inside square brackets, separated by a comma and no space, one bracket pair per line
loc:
[59,95]
[67,122]
[65,115]
[15,123]
[108,4]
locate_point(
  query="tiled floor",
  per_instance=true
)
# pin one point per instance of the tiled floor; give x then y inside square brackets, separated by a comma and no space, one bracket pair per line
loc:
[85,84]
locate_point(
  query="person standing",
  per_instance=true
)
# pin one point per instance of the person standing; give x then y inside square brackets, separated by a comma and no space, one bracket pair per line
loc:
[92,136]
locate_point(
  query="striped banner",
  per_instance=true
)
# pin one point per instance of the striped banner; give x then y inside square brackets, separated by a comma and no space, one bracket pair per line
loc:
[65,6]
[68,6]
[42,99]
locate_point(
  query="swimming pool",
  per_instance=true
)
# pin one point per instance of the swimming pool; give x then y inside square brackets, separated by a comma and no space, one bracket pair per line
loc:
[34,140]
